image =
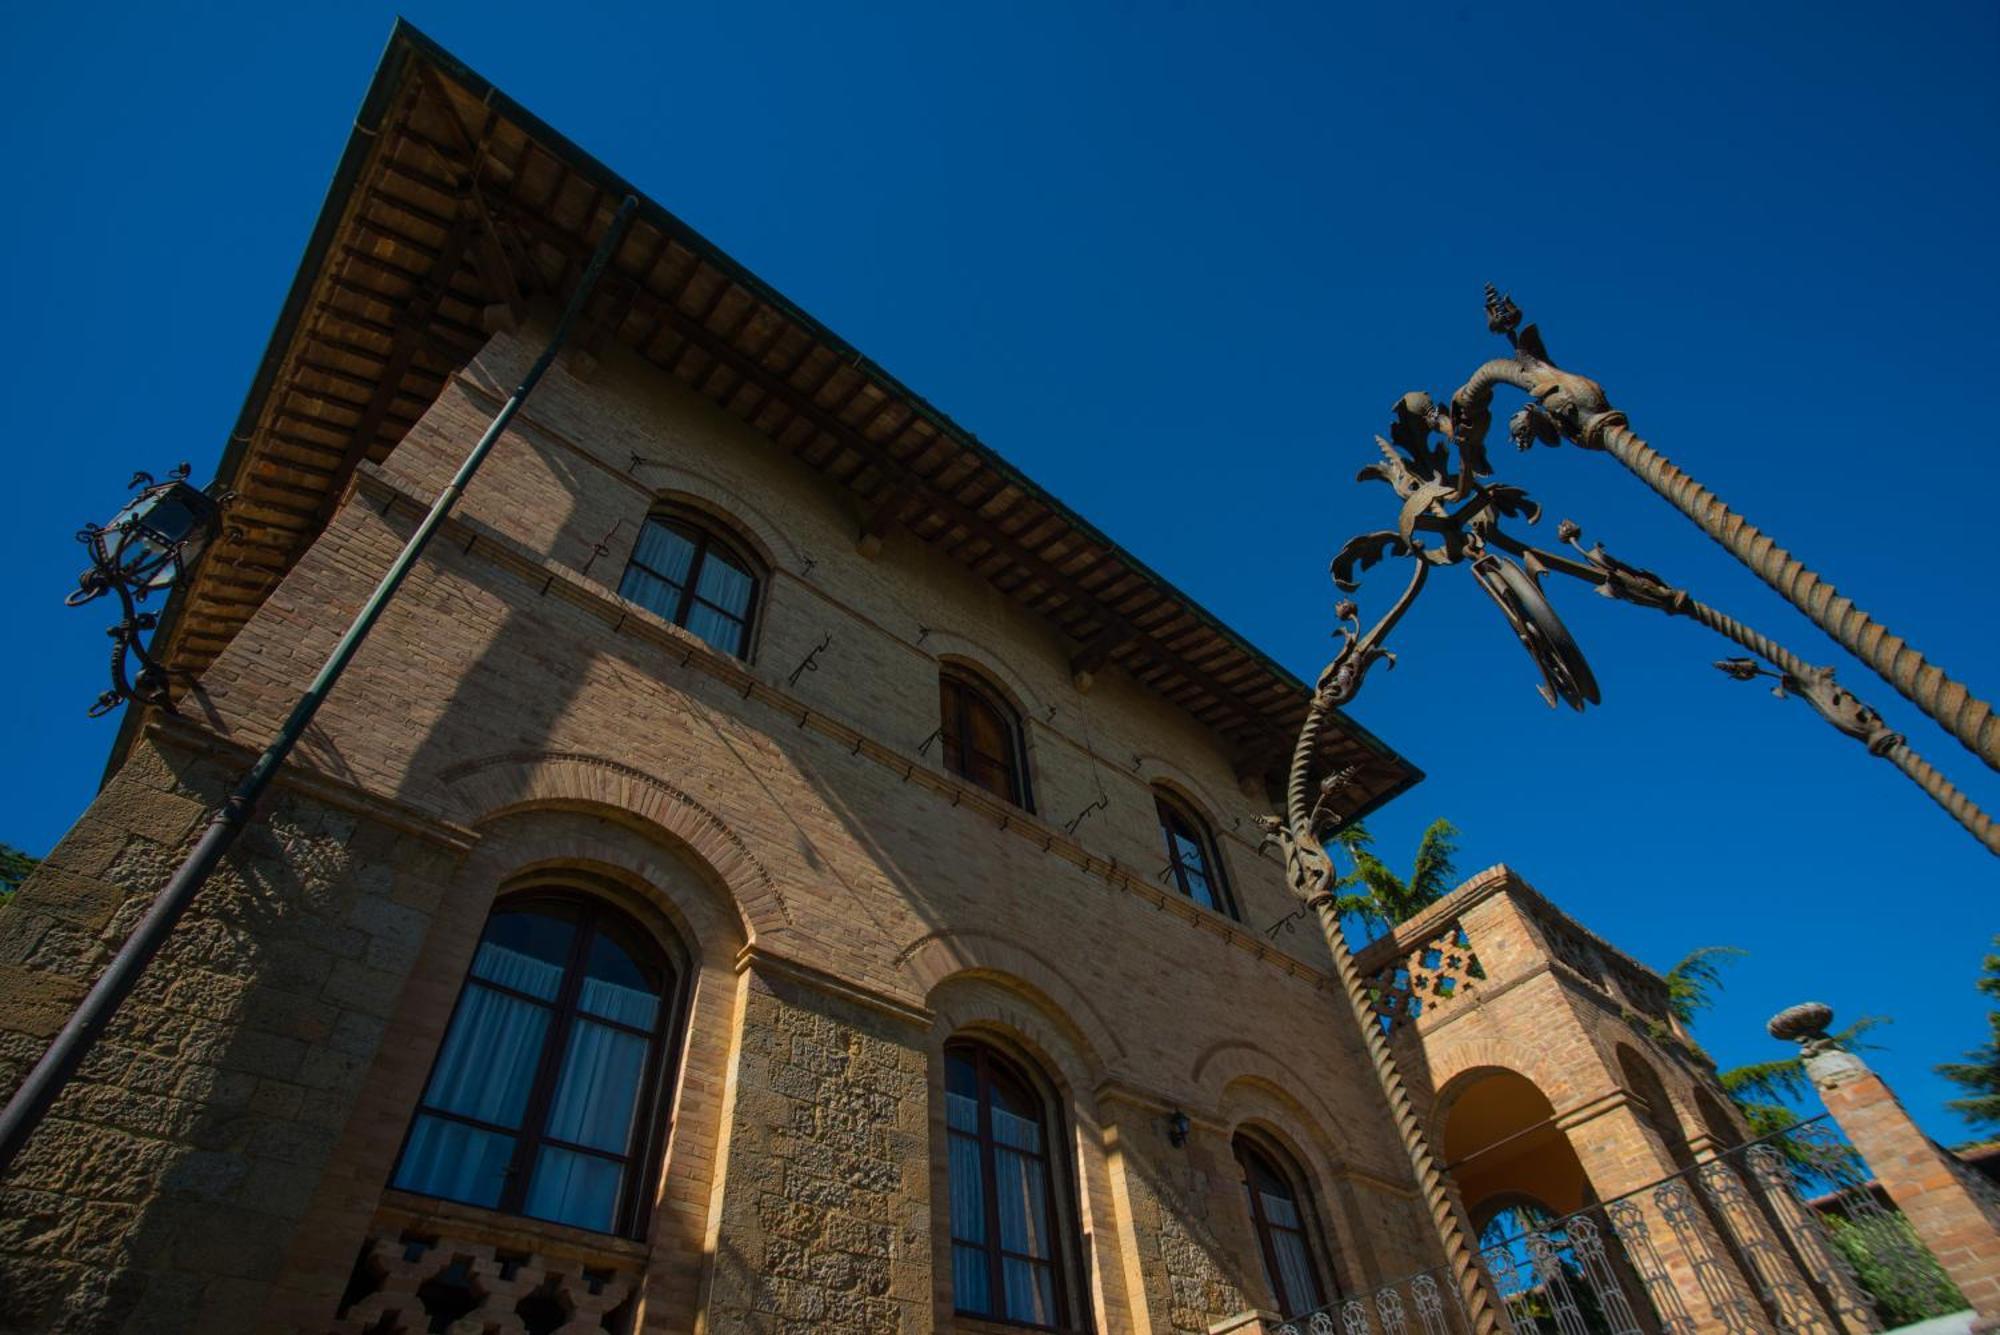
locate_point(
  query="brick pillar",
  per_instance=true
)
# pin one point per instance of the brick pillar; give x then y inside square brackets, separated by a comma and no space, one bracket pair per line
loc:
[1933,1191]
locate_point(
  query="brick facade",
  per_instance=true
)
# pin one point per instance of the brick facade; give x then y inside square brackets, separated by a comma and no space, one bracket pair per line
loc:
[845,906]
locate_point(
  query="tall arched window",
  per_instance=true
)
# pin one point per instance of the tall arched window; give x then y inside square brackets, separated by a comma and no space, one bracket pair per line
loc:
[982,738]
[694,577]
[1004,1230]
[1191,853]
[1279,1212]
[544,1094]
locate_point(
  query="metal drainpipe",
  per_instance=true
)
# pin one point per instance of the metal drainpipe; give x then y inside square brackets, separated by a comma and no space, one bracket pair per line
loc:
[31,1102]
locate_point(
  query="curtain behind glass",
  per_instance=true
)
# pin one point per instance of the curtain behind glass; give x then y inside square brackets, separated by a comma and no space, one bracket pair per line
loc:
[1295,1268]
[664,552]
[572,1188]
[455,1161]
[599,1087]
[487,1066]
[716,629]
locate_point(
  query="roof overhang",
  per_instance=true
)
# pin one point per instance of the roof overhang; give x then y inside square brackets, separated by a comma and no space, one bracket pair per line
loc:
[454,209]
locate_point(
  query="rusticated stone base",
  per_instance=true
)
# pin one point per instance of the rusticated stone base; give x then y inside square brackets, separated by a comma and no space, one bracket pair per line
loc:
[826,1220]
[163,1188]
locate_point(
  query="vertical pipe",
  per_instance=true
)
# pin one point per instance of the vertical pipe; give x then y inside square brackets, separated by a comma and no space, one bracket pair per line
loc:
[87,1023]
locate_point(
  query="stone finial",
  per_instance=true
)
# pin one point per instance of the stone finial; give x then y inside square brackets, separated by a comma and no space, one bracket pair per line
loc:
[1804,1024]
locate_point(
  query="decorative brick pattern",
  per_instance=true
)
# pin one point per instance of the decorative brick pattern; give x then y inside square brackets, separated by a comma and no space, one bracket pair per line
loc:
[413,1280]
[1433,974]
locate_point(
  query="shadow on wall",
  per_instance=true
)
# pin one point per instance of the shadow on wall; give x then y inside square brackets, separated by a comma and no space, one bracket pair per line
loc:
[169,1176]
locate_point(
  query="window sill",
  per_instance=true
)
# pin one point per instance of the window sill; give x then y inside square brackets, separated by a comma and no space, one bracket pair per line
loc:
[405,1210]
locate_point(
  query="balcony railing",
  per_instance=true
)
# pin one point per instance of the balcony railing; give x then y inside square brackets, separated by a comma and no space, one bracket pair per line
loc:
[1781,1234]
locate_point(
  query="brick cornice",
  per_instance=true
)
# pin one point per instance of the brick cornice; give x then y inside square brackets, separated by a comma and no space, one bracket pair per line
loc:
[764,959]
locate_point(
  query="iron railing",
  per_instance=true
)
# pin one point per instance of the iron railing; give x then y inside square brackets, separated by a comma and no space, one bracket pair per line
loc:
[1784,1233]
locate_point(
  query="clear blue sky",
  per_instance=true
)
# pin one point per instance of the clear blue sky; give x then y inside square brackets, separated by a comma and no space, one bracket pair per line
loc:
[1218,241]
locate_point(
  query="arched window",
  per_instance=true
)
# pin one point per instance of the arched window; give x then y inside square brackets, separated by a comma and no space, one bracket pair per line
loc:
[543,1097]
[694,577]
[1279,1212]
[1004,1231]
[982,738]
[1191,853]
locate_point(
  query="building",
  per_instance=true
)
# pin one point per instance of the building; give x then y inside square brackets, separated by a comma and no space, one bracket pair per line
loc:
[773,868]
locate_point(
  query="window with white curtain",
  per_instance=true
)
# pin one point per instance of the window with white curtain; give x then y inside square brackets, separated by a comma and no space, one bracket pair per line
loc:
[1004,1229]
[694,577]
[1278,1209]
[543,1096]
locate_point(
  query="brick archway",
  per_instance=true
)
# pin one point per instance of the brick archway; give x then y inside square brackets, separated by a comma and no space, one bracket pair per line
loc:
[479,790]
[938,957]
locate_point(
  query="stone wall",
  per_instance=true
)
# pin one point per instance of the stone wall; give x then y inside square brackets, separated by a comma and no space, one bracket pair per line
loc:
[825,1218]
[167,1181]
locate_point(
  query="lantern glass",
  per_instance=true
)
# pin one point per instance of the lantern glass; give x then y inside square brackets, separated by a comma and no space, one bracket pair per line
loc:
[161,524]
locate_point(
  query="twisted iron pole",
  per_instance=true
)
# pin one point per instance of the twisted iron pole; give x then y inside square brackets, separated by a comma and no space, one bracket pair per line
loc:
[1572,407]
[1309,872]
[1814,685]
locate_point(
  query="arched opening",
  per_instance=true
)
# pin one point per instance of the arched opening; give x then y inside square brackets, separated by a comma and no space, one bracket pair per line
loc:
[685,567]
[1501,1141]
[981,736]
[1008,1231]
[547,1094]
[1192,856]
[1283,1218]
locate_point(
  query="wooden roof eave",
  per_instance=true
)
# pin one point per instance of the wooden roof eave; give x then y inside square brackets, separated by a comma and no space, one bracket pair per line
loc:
[450,202]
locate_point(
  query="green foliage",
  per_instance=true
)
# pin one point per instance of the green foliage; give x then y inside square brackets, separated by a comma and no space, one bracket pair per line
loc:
[1896,1269]
[1979,1073]
[1693,983]
[1761,1091]
[14,868]
[1377,895]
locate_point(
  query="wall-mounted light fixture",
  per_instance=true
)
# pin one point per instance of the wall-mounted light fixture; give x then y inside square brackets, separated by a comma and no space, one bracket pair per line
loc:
[150,544]
[1178,1127]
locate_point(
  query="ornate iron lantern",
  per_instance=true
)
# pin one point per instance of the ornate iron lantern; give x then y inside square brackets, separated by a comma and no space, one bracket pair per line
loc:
[150,544]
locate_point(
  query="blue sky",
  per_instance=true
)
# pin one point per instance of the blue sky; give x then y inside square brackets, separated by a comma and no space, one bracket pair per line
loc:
[1177,262]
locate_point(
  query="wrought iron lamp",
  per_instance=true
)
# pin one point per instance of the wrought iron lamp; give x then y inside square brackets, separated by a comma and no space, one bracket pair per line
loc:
[150,544]
[1178,1127]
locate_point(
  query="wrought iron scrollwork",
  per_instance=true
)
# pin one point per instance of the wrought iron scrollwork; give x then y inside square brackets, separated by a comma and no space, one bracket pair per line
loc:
[147,546]
[1451,512]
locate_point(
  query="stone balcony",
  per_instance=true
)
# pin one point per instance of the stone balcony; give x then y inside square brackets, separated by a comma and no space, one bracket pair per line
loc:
[430,1265]
[1492,932]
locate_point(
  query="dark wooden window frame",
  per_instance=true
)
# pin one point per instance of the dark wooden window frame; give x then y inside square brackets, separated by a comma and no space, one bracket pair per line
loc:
[706,537]
[968,685]
[984,1058]
[647,1141]
[1279,1165]
[1173,810]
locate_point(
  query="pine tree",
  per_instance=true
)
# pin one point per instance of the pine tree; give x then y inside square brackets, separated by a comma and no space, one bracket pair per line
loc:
[1979,1073]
